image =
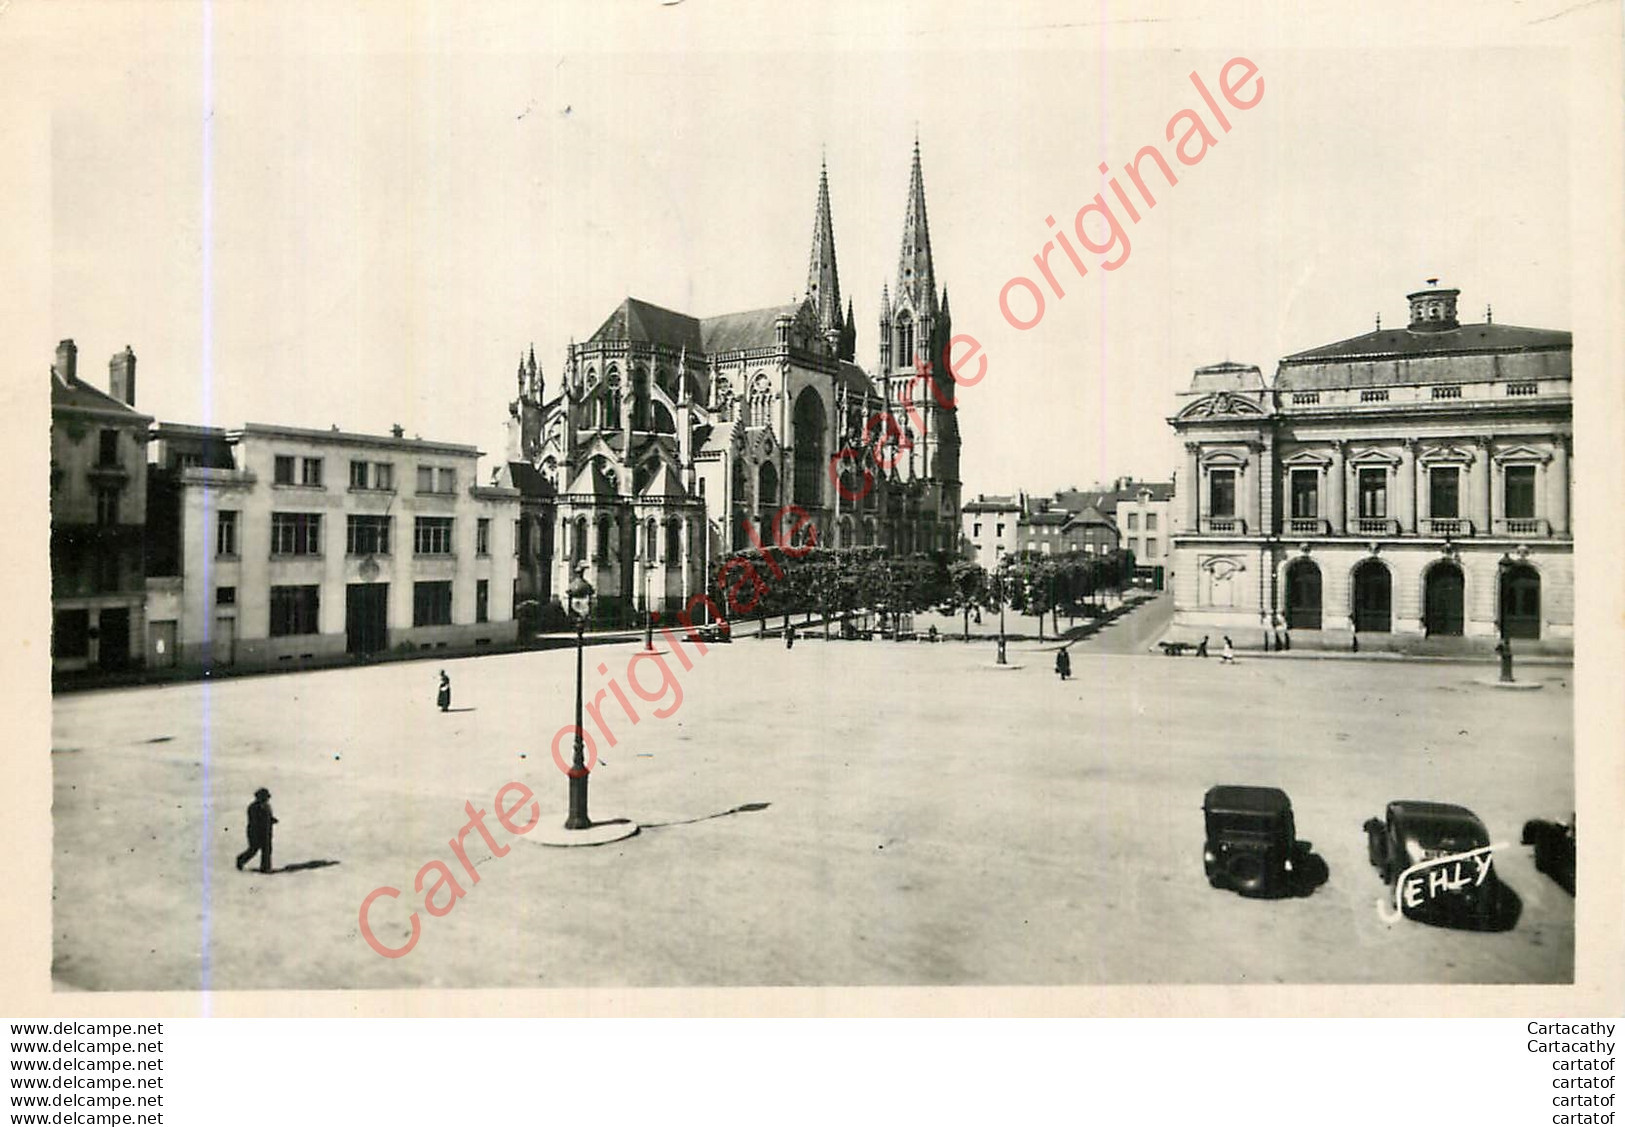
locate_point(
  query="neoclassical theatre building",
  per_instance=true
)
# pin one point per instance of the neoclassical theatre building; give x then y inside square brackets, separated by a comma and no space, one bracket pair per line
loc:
[673,440]
[1405,484]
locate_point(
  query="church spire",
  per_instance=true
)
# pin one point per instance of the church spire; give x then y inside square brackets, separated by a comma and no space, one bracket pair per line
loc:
[916,280]
[823,282]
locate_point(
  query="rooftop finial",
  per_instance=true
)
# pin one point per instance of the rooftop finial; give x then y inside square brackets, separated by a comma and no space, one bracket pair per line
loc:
[1379,321]
[1489,315]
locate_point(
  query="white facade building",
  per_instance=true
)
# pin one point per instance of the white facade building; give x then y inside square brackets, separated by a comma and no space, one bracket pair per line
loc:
[274,545]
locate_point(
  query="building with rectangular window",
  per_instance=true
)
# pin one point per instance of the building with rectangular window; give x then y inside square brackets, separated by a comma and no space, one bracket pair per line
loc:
[277,545]
[1403,485]
[989,528]
[1144,510]
[98,518]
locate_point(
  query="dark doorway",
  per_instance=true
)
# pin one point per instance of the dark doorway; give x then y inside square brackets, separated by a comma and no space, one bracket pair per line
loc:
[113,630]
[366,618]
[1442,601]
[1373,598]
[1303,596]
[1520,602]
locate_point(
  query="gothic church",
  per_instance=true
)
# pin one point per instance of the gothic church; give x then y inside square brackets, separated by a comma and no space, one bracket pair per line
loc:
[674,440]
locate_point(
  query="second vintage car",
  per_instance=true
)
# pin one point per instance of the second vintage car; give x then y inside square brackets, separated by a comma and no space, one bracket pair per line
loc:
[1435,858]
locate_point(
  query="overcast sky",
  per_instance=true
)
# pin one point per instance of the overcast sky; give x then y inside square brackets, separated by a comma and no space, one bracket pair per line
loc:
[300,217]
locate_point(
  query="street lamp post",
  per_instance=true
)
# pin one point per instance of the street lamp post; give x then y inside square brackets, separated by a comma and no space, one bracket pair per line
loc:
[578,818]
[648,619]
[1504,648]
[1002,573]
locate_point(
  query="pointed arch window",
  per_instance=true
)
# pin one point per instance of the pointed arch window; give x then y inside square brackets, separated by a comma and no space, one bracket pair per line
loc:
[761,401]
[640,399]
[809,440]
[578,542]
[613,401]
[905,340]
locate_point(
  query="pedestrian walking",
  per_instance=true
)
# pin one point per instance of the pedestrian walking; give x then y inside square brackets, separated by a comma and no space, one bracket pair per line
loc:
[1229,655]
[1063,663]
[260,822]
[1201,647]
[789,637]
[444,698]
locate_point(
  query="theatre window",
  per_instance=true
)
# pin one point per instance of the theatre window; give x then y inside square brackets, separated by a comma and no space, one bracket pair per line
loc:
[1222,493]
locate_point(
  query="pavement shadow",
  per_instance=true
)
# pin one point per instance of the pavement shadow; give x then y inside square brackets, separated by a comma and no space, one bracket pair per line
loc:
[303,866]
[747,808]
[460,710]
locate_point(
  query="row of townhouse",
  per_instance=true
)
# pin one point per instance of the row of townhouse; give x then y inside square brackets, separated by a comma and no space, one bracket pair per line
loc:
[178,545]
[1129,514]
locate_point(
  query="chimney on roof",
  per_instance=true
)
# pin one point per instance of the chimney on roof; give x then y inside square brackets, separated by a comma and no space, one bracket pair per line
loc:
[121,376]
[397,430]
[67,361]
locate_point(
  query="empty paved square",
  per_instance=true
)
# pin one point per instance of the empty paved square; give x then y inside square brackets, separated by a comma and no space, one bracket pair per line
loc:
[927,820]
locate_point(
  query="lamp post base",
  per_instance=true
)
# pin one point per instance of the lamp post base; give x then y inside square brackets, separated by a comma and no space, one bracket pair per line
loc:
[578,819]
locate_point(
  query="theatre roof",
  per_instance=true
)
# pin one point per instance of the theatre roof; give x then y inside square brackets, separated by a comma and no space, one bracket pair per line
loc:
[1487,337]
[1468,354]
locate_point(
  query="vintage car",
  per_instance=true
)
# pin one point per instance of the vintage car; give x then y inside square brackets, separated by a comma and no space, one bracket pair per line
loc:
[1251,840]
[1411,834]
[1554,849]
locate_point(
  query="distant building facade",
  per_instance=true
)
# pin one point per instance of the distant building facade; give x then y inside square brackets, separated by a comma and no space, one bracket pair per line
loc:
[990,525]
[275,545]
[1128,514]
[98,518]
[1403,484]
[1143,512]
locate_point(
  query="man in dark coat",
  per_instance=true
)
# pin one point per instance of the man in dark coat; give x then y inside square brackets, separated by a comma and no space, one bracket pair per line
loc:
[1063,663]
[260,822]
[444,698]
